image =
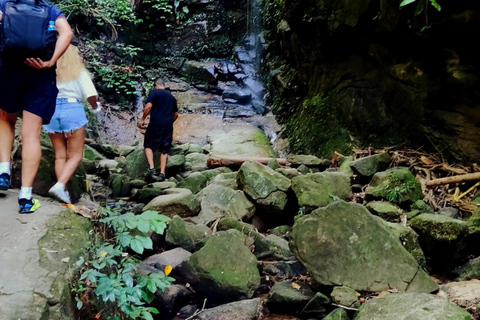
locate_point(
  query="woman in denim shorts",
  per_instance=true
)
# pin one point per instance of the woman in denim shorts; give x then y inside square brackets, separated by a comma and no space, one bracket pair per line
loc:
[67,126]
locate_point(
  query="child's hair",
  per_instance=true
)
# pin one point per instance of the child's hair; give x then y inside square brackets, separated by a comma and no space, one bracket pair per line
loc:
[69,65]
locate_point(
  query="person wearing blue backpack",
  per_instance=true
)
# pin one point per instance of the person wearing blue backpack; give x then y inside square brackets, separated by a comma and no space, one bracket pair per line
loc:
[28,53]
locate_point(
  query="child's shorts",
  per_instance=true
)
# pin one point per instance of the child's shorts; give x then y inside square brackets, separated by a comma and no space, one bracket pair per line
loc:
[69,116]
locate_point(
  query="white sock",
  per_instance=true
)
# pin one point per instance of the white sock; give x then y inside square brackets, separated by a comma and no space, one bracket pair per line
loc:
[59,185]
[5,167]
[25,193]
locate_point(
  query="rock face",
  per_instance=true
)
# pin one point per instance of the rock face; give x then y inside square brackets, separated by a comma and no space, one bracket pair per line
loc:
[405,306]
[373,86]
[337,241]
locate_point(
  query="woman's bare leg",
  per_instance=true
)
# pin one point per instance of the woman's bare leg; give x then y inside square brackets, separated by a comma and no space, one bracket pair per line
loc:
[59,144]
[75,144]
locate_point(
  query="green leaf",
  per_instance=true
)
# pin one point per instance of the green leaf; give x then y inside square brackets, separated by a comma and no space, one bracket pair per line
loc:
[137,245]
[435,5]
[147,243]
[124,239]
[147,315]
[420,6]
[405,2]
[79,303]
[151,286]
[143,225]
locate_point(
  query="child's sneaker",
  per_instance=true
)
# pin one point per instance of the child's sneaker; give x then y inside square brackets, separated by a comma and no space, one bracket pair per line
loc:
[161,177]
[59,193]
[4,181]
[28,205]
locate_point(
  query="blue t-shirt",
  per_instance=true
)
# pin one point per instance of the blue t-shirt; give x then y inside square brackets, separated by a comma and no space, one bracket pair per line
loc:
[164,105]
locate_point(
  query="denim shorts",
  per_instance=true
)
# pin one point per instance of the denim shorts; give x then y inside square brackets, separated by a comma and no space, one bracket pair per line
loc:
[68,117]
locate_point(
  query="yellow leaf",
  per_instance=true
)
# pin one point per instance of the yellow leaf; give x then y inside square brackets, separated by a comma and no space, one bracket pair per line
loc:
[167,270]
[103,254]
[295,286]
[69,205]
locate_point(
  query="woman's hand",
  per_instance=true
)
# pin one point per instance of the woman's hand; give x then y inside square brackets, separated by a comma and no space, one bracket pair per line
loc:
[38,63]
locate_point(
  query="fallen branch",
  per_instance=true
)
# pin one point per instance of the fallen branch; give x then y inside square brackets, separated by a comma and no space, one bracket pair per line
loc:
[454,179]
[226,161]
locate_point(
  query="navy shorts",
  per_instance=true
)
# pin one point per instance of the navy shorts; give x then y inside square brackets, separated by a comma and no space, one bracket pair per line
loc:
[29,89]
[159,138]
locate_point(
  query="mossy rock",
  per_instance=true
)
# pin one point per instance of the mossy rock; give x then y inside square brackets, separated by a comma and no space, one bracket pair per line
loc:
[397,185]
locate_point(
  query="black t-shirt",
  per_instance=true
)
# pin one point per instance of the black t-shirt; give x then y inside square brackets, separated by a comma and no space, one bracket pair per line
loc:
[164,105]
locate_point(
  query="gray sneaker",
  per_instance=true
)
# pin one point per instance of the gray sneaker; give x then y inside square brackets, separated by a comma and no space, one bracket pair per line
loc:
[60,194]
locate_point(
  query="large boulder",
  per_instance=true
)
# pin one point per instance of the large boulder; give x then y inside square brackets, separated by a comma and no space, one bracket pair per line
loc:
[337,241]
[218,201]
[315,190]
[224,269]
[265,186]
[410,306]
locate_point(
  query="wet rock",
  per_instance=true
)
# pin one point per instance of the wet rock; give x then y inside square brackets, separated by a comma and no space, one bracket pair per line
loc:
[238,96]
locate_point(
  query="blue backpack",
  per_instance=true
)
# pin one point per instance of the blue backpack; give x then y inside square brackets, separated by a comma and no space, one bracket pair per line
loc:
[24,30]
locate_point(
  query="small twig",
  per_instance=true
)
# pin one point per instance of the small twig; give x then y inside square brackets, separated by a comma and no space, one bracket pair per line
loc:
[343,307]
[198,311]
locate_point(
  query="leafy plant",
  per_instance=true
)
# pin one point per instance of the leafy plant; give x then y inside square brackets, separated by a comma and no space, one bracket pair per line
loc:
[396,189]
[110,274]
[421,5]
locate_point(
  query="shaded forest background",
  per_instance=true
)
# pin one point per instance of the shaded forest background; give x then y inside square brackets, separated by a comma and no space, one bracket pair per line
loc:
[340,75]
